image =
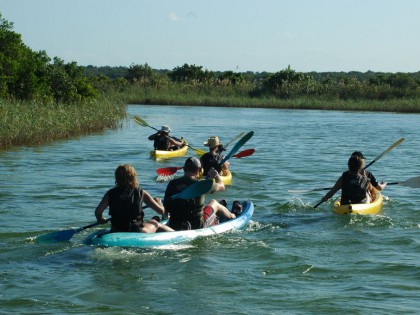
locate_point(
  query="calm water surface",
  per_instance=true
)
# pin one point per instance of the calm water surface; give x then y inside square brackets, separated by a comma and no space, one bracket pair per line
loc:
[292,259]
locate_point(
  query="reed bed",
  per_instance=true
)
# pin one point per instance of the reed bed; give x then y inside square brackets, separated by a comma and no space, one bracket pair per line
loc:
[31,123]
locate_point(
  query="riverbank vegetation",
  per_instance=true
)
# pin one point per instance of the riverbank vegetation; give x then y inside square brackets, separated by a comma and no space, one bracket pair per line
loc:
[42,99]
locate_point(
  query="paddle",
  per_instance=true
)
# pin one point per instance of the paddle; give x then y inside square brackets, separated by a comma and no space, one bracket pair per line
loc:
[412,182]
[171,170]
[195,190]
[234,139]
[396,143]
[64,235]
[244,153]
[143,123]
[237,146]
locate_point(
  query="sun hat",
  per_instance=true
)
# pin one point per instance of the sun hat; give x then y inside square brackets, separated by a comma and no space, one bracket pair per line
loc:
[212,142]
[358,154]
[192,164]
[165,128]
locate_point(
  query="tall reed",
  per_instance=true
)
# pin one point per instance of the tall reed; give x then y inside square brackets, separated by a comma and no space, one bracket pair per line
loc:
[30,123]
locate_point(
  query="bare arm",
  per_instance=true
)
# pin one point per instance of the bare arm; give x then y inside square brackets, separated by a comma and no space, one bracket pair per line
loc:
[156,205]
[218,185]
[101,208]
[333,190]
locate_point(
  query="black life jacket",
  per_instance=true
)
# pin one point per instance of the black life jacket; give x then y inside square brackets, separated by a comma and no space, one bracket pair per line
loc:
[125,208]
[209,160]
[354,188]
[183,210]
[161,143]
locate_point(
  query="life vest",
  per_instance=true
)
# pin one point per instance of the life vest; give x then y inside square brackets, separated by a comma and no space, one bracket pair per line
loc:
[161,143]
[183,210]
[209,160]
[125,209]
[354,188]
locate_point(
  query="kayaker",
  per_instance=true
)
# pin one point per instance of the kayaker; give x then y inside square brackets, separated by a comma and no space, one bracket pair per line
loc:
[194,213]
[125,202]
[372,179]
[213,158]
[162,140]
[354,185]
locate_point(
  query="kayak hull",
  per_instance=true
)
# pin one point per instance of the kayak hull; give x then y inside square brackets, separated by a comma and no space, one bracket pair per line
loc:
[124,239]
[162,154]
[362,208]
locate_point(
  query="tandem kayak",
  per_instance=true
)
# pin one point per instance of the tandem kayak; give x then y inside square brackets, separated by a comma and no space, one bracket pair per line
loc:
[125,239]
[362,208]
[163,154]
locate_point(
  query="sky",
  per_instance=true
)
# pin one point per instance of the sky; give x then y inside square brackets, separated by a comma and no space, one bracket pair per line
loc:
[223,35]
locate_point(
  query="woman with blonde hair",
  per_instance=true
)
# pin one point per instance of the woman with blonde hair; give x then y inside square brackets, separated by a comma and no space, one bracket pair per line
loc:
[125,202]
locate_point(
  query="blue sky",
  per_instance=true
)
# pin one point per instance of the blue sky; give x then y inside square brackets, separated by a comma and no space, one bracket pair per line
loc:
[220,35]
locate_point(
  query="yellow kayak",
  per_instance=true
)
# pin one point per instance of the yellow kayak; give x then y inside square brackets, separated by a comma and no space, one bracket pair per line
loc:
[226,177]
[362,208]
[162,154]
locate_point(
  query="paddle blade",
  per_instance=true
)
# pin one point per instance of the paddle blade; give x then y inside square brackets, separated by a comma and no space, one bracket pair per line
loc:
[234,139]
[244,153]
[412,182]
[140,121]
[237,146]
[168,171]
[57,236]
[396,143]
[198,151]
[195,190]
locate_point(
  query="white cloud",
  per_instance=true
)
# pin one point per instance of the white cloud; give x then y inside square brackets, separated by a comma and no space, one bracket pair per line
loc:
[173,17]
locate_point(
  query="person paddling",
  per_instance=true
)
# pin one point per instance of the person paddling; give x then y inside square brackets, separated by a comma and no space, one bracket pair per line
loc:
[125,202]
[162,140]
[185,214]
[213,158]
[354,186]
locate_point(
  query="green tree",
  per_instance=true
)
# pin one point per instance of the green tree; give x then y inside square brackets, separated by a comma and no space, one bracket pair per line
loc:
[191,73]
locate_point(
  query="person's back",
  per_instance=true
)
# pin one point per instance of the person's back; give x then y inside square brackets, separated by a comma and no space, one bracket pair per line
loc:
[354,186]
[212,158]
[184,213]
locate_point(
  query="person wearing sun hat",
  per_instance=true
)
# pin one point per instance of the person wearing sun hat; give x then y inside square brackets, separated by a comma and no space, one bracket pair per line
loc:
[213,158]
[194,213]
[162,140]
[369,175]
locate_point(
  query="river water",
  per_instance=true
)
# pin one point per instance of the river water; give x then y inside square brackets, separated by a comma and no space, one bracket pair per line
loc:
[291,259]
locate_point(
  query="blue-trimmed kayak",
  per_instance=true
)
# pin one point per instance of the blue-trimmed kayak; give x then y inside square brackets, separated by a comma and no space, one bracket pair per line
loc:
[104,239]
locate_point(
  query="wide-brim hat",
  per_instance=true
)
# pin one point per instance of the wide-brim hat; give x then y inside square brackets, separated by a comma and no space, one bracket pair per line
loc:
[165,128]
[212,142]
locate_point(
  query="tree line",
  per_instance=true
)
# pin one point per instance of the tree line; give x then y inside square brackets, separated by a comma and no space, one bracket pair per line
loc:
[29,75]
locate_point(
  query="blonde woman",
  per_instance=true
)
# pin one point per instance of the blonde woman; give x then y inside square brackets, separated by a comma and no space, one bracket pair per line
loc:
[125,202]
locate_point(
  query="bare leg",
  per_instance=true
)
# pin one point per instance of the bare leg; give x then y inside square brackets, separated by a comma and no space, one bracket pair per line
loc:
[220,209]
[153,226]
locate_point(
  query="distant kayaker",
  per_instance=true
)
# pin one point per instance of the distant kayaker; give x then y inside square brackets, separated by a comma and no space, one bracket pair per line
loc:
[213,158]
[125,203]
[194,213]
[354,186]
[372,179]
[162,140]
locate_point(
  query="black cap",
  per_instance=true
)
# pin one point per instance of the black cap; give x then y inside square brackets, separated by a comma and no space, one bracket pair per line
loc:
[358,154]
[192,164]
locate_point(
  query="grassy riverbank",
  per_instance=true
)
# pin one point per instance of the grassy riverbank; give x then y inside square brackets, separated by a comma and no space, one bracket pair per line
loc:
[228,96]
[32,123]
